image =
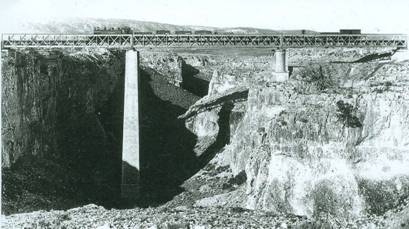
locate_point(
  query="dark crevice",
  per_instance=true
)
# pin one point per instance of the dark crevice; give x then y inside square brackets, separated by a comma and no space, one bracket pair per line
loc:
[191,82]
[166,146]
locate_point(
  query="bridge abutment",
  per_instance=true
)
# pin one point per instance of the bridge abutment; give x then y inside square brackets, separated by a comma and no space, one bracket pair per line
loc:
[130,183]
[280,66]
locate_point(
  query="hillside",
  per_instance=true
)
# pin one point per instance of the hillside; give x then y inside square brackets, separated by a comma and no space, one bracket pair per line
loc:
[86,25]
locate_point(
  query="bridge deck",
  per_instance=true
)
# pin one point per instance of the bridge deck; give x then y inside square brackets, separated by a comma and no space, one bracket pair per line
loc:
[205,41]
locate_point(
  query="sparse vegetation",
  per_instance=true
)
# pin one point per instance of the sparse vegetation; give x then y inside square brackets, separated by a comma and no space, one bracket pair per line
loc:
[345,114]
[237,180]
[317,77]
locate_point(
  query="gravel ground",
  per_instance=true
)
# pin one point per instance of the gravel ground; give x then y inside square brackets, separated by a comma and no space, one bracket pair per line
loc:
[92,216]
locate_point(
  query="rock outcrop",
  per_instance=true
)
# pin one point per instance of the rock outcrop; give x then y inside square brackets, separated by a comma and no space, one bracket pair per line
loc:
[331,141]
[227,91]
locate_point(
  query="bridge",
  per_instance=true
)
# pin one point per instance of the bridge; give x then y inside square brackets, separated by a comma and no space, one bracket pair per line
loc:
[132,42]
[277,42]
[206,41]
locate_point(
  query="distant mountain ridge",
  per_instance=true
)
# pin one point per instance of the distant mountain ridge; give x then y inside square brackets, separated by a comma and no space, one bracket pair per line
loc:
[86,26]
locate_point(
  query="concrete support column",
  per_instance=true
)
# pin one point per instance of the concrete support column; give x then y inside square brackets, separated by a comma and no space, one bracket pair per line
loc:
[273,62]
[280,59]
[1,102]
[281,73]
[130,143]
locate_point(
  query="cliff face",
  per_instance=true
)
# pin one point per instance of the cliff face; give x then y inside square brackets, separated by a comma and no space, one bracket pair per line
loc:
[46,93]
[329,154]
[229,74]
[62,126]
[331,141]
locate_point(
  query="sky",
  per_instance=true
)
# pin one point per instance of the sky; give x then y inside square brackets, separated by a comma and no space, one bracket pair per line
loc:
[385,16]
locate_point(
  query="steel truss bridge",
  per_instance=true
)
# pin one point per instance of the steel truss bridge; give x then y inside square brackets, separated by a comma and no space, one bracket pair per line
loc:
[202,41]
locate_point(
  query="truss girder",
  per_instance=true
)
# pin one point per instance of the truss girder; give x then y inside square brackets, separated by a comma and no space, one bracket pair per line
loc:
[194,40]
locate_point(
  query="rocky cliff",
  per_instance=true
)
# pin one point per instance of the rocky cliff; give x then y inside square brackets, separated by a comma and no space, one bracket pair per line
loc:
[61,127]
[331,142]
[62,124]
[49,91]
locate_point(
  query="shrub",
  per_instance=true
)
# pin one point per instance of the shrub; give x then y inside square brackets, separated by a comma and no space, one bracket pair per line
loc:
[345,113]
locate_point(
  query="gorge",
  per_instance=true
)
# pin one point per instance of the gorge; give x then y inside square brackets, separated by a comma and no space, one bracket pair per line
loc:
[327,147]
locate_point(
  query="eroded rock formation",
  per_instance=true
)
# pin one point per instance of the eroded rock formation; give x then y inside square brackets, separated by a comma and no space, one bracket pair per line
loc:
[331,141]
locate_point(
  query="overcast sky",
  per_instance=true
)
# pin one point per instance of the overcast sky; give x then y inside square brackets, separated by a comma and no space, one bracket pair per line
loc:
[323,15]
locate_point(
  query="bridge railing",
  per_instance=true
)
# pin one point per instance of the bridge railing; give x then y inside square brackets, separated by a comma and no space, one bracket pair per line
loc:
[195,40]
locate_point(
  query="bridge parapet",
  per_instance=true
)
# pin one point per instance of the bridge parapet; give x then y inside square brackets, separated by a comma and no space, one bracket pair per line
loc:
[205,41]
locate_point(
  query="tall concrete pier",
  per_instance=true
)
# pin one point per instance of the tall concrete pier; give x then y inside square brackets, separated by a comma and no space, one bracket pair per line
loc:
[281,72]
[280,65]
[130,143]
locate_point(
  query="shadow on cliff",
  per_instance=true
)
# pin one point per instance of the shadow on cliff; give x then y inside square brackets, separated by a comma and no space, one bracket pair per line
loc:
[193,83]
[166,146]
[84,166]
[371,57]
[90,145]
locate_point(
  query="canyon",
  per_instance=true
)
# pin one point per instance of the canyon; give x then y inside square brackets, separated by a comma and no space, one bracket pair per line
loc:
[329,147]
